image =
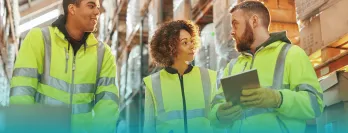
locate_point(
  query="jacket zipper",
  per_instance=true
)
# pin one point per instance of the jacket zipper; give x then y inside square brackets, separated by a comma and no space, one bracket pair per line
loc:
[183,101]
[72,83]
[254,56]
[66,60]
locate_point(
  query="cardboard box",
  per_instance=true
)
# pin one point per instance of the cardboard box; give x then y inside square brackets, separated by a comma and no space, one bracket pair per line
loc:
[306,8]
[291,28]
[335,88]
[334,22]
[270,3]
[334,119]
[310,35]
[287,4]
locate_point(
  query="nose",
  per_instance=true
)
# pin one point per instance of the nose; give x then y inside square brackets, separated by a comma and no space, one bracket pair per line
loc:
[97,11]
[233,33]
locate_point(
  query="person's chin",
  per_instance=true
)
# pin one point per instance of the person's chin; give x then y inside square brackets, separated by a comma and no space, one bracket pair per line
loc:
[190,60]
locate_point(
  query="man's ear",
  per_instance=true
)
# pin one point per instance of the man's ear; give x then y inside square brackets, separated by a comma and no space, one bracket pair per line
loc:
[255,21]
[71,9]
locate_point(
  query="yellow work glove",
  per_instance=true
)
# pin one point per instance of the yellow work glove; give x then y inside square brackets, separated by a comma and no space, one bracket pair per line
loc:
[228,113]
[261,98]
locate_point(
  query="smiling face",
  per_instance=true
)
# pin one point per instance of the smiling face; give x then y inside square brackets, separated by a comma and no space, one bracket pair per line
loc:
[86,14]
[186,47]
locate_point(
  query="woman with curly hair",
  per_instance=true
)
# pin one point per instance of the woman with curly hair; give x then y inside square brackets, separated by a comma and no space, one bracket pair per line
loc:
[178,97]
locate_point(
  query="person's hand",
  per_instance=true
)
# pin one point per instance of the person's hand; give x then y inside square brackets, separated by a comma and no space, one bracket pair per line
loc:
[261,98]
[228,113]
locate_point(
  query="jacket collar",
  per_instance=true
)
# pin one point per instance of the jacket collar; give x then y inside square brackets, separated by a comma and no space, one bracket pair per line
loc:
[272,42]
[89,39]
[174,71]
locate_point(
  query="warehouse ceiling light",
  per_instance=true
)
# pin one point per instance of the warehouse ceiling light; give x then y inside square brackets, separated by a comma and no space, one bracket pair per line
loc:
[39,20]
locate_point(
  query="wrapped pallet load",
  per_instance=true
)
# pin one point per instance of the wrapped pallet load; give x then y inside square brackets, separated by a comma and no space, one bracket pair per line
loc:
[206,55]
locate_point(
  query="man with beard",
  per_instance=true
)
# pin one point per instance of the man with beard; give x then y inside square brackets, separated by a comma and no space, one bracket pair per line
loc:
[65,65]
[290,92]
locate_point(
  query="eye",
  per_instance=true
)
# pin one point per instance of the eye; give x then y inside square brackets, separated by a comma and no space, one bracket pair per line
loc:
[91,6]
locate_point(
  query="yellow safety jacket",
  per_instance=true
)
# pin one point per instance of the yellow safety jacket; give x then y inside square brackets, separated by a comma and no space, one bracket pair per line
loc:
[179,104]
[46,72]
[283,67]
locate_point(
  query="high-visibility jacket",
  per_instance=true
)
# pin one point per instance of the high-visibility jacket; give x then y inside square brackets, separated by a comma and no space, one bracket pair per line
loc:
[176,103]
[46,72]
[284,67]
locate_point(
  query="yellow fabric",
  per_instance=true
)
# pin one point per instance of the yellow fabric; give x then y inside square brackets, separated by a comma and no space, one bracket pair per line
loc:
[172,101]
[296,106]
[31,55]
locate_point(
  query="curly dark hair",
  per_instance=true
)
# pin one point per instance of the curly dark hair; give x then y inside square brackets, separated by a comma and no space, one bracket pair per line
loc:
[165,41]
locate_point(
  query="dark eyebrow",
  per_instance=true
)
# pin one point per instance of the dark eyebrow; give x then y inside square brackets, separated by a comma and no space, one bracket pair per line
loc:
[92,2]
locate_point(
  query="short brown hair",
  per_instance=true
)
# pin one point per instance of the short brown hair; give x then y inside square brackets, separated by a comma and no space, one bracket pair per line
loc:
[165,41]
[254,7]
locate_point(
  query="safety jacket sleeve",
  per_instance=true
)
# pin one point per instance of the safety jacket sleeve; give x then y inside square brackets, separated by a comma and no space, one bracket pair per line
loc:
[218,99]
[28,67]
[107,101]
[304,98]
[149,113]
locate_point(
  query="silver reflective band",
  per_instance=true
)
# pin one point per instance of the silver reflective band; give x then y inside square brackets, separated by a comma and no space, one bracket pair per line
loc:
[106,96]
[47,56]
[64,86]
[77,108]
[179,114]
[26,72]
[232,63]
[313,93]
[283,86]
[157,90]
[100,55]
[22,91]
[105,81]
[256,111]
[206,84]
[217,99]
[279,68]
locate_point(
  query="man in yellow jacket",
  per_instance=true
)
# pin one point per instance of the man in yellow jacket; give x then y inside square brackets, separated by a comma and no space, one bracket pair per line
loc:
[65,65]
[290,92]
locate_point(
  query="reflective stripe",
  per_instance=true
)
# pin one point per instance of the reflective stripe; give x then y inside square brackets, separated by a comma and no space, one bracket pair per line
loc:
[206,84]
[178,114]
[47,56]
[313,93]
[217,98]
[77,108]
[104,81]
[101,81]
[100,54]
[256,111]
[22,91]
[283,86]
[64,86]
[279,68]
[26,72]
[106,96]
[232,63]
[157,90]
